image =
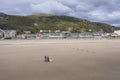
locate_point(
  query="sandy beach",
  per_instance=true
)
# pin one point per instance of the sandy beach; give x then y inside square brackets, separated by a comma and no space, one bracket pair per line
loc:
[71,60]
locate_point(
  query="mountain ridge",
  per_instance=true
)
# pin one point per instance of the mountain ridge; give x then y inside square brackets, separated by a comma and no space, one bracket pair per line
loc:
[36,22]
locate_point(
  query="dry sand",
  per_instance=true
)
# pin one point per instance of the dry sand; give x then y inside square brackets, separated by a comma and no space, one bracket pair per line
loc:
[72,60]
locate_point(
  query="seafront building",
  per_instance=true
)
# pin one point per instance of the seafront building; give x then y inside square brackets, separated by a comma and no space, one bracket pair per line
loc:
[1,33]
[7,34]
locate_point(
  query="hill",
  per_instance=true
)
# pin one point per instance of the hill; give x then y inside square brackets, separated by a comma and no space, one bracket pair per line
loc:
[36,22]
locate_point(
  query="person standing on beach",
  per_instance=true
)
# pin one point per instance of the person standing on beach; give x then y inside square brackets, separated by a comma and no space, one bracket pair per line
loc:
[47,59]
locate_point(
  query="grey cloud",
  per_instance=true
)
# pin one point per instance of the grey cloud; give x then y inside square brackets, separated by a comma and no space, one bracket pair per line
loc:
[70,3]
[51,7]
[94,10]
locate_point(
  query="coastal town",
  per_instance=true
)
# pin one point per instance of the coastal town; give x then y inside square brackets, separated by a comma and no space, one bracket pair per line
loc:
[59,40]
[47,34]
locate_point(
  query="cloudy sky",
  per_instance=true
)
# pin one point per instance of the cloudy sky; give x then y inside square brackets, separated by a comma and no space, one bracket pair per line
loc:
[107,11]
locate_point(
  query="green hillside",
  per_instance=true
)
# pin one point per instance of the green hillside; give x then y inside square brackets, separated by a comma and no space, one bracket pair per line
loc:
[36,22]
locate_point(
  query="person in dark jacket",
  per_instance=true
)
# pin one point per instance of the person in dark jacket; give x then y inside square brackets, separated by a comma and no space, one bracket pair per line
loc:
[47,59]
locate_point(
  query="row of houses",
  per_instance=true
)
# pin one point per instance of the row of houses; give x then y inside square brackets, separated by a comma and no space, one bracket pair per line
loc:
[58,36]
[70,35]
[11,34]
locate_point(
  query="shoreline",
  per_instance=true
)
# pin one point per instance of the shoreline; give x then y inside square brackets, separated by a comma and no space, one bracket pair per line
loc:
[55,41]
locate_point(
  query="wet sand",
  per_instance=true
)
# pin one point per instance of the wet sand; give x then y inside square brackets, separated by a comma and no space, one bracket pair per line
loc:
[71,60]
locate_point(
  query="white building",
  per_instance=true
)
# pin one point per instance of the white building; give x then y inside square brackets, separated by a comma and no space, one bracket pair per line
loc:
[30,36]
[9,34]
[27,32]
[117,32]
[55,35]
[86,35]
